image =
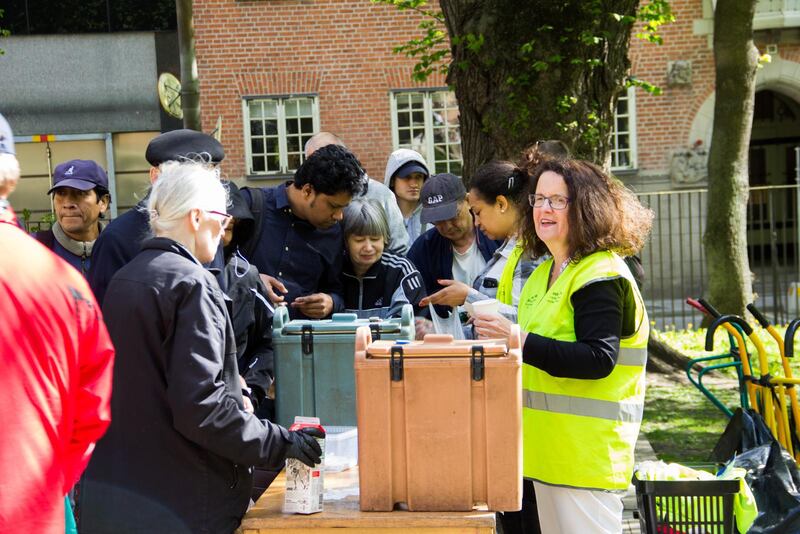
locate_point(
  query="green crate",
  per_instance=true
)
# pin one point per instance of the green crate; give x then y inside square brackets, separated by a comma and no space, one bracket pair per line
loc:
[314,374]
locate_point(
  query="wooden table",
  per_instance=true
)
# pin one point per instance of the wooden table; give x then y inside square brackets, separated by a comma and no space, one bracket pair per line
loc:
[266,516]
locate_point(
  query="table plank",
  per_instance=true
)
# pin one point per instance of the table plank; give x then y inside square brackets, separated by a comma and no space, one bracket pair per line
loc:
[267,516]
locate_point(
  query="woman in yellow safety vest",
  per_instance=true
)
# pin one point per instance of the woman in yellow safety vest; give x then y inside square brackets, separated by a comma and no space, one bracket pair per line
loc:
[585,349]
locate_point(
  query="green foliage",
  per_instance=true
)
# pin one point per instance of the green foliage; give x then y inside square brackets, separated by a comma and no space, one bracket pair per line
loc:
[432,48]
[547,50]
[3,32]
[633,81]
[654,14]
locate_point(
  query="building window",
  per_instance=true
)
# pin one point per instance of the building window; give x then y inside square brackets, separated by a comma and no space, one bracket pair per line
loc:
[276,130]
[623,140]
[427,121]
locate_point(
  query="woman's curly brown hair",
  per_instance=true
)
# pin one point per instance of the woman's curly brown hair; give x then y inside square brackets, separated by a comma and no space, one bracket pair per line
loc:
[603,213]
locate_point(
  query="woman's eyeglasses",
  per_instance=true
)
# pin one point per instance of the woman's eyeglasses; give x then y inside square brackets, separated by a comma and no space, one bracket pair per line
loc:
[225,217]
[557,202]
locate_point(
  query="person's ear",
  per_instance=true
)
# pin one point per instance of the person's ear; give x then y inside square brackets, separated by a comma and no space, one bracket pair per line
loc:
[195,219]
[308,191]
[502,203]
[154,172]
[103,202]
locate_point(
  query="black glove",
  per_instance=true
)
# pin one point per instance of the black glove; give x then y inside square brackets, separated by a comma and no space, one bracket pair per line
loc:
[304,447]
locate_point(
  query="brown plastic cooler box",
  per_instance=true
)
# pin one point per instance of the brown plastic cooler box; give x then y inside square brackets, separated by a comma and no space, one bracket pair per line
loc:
[439,423]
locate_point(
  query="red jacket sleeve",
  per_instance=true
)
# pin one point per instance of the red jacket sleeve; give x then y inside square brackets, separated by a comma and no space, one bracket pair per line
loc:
[92,392]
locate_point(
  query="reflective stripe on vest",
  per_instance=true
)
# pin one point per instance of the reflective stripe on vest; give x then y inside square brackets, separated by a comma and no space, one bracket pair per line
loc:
[626,412]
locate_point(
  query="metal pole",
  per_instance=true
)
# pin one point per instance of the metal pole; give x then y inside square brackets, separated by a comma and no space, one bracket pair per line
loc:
[797,221]
[190,86]
[112,174]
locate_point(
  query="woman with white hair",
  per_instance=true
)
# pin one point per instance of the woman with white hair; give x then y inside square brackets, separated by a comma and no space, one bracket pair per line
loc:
[177,456]
[9,170]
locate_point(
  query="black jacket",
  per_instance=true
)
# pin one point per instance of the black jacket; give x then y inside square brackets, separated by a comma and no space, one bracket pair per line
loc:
[383,290]
[176,456]
[251,313]
[120,242]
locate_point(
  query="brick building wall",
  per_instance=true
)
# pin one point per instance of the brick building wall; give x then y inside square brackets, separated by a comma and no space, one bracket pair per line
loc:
[341,50]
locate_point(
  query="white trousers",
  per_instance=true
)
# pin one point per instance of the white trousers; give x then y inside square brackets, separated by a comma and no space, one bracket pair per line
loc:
[578,511]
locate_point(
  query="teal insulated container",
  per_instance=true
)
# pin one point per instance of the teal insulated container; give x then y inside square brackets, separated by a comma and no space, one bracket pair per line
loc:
[314,374]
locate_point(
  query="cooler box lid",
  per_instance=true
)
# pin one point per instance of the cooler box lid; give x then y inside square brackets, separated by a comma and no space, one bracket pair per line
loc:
[438,346]
[340,323]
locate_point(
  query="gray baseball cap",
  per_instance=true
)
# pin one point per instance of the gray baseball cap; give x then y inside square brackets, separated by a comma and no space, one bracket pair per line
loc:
[440,195]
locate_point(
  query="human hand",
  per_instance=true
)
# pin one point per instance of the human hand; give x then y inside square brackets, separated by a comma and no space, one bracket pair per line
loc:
[316,306]
[491,326]
[304,447]
[422,326]
[453,294]
[273,287]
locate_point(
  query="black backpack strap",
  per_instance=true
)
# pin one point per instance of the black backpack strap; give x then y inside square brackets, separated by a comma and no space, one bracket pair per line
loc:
[256,206]
[46,238]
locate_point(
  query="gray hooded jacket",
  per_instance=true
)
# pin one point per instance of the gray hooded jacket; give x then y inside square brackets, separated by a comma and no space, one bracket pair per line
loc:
[398,158]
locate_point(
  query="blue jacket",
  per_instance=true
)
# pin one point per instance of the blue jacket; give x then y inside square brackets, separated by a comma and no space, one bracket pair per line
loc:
[432,255]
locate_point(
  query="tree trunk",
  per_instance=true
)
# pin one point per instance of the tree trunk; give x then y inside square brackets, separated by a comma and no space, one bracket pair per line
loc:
[736,57]
[190,85]
[535,76]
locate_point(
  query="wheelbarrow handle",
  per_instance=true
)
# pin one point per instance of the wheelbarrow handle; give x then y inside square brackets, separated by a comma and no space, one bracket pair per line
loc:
[725,319]
[763,321]
[695,304]
[788,344]
[711,309]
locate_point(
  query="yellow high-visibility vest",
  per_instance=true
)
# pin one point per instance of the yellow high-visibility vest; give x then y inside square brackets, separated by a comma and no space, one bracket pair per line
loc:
[581,433]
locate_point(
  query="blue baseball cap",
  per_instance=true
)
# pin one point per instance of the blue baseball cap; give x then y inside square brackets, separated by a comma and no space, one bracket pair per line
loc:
[83,174]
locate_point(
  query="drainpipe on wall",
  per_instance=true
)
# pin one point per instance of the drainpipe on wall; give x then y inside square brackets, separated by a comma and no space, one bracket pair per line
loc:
[190,86]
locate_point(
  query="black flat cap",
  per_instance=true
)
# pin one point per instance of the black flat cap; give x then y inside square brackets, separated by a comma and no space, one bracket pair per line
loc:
[179,145]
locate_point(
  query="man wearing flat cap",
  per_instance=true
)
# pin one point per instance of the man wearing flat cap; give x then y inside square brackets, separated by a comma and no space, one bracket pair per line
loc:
[121,240]
[80,199]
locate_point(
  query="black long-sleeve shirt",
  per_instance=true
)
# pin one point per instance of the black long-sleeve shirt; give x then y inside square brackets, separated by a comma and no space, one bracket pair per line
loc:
[604,313]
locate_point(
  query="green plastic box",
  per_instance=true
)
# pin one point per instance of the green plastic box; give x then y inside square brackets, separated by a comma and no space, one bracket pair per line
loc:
[314,374]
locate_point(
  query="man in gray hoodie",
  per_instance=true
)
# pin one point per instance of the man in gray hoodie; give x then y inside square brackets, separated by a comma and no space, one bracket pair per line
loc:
[406,171]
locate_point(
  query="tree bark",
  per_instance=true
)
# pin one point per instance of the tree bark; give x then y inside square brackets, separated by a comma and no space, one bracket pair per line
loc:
[563,86]
[725,240]
[190,85]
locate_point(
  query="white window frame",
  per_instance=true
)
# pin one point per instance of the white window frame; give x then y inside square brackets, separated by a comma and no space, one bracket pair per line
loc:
[283,156]
[429,152]
[630,96]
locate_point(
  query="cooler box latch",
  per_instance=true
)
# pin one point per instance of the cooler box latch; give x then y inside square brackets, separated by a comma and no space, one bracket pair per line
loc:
[307,340]
[396,363]
[477,362]
[375,330]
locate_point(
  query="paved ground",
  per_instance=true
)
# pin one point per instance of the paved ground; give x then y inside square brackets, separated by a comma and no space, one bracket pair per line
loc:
[643,452]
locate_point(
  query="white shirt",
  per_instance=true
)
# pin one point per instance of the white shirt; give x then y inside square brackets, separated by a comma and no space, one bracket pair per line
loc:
[468,265]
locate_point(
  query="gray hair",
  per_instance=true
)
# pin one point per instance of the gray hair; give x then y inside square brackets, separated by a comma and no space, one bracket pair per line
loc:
[365,217]
[180,188]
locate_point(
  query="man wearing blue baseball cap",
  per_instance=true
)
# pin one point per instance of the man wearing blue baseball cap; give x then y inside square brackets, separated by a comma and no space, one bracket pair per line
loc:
[80,199]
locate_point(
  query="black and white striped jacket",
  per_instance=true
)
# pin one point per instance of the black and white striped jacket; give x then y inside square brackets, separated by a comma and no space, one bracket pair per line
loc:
[384,288]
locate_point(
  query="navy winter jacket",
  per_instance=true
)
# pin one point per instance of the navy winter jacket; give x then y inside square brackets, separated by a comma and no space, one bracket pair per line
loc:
[432,255]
